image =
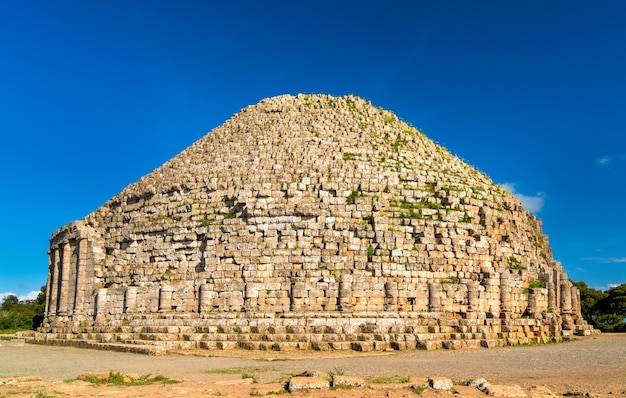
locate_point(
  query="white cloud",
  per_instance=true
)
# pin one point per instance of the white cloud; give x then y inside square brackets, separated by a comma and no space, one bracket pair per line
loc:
[611,285]
[30,296]
[533,204]
[612,162]
[3,295]
[606,260]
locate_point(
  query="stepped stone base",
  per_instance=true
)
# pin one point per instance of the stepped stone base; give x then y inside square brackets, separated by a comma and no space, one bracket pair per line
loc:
[322,331]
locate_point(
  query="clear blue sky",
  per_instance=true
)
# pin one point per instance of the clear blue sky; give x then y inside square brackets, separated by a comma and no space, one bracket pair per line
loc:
[95,94]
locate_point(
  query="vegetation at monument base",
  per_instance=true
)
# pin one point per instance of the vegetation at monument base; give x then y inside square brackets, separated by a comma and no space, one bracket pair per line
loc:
[605,310]
[16,315]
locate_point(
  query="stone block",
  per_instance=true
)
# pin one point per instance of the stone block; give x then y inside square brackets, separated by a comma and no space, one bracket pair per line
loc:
[348,381]
[441,383]
[300,383]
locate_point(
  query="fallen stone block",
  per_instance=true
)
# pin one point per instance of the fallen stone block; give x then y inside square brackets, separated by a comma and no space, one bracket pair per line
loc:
[348,381]
[315,373]
[480,383]
[300,383]
[440,383]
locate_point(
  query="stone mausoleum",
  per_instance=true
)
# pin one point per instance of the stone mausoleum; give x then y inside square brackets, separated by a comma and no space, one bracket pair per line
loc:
[308,222]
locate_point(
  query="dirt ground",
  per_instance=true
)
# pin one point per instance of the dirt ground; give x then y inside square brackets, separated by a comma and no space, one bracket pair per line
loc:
[593,366]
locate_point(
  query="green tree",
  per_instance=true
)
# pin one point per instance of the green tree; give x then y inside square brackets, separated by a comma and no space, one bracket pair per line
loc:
[39,306]
[589,298]
[9,302]
[605,310]
[613,309]
[22,315]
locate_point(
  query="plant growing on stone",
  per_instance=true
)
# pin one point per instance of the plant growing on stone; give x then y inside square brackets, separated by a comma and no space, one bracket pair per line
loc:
[370,253]
[515,264]
[230,215]
[352,197]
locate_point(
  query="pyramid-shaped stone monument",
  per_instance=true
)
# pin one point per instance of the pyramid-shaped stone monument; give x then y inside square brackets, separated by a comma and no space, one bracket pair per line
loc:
[308,222]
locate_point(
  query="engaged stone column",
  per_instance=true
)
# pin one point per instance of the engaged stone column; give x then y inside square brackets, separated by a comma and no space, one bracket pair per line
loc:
[575,293]
[53,282]
[556,277]
[472,298]
[79,289]
[505,292]
[206,296]
[130,299]
[345,293]
[391,296]
[165,298]
[64,288]
[421,302]
[101,299]
[296,298]
[434,297]
[566,296]
[552,307]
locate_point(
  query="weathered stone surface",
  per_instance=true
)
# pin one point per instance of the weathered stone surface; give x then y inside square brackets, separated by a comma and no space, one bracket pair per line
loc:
[468,392]
[441,383]
[308,222]
[349,381]
[540,392]
[307,383]
[103,376]
[505,391]
[419,382]
[479,383]
[18,379]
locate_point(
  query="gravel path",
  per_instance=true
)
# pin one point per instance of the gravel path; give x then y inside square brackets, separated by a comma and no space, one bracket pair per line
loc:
[596,363]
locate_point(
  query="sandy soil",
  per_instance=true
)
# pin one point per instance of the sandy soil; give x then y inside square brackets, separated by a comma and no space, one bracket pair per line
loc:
[591,366]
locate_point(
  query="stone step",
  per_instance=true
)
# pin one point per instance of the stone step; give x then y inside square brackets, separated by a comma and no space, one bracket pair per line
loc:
[165,342]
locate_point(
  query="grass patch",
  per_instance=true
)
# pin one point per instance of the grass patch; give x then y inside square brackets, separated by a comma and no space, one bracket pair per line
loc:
[255,378]
[278,392]
[120,379]
[12,331]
